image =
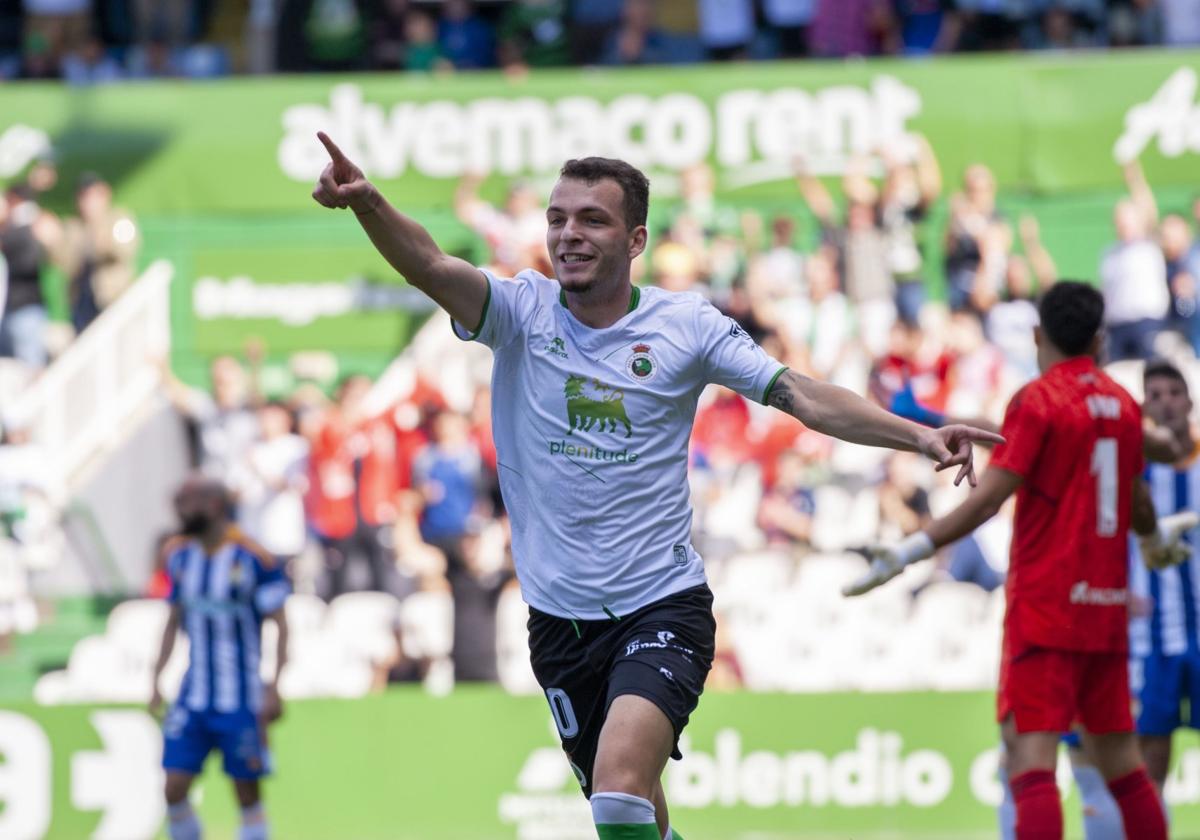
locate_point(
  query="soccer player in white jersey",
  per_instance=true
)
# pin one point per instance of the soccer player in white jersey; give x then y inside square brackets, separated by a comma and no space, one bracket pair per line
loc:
[595,388]
[1164,632]
[222,587]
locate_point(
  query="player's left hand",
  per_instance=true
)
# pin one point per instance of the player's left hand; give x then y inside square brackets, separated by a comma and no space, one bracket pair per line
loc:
[952,446]
[885,564]
[272,705]
[1165,547]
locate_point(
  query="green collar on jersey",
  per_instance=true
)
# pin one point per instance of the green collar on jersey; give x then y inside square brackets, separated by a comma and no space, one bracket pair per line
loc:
[634,299]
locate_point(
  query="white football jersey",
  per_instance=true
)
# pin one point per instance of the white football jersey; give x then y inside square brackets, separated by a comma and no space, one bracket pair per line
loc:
[592,430]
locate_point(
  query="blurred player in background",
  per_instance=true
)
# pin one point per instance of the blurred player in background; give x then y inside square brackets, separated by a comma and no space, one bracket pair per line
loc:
[1074,457]
[595,389]
[1165,637]
[222,587]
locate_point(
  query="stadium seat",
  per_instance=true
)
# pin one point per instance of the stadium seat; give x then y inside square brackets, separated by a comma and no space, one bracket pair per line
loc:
[136,626]
[53,688]
[831,504]
[363,623]
[512,645]
[427,619]
[99,671]
[18,616]
[747,577]
[850,459]
[883,658]
[997,604]
[1128,374]
[305,615]
[824,575]
[951,605]
[964,662]
[322,669]
[844,519]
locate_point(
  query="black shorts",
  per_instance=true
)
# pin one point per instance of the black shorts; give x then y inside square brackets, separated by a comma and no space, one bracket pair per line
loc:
[662,652]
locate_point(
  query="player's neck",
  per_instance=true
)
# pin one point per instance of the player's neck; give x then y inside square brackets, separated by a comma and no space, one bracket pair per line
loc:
[1051,358]
[601,308]
[212,539]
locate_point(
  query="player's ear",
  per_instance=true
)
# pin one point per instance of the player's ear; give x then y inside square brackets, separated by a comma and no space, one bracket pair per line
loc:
[637,241]
[1096,346]
[1037,336]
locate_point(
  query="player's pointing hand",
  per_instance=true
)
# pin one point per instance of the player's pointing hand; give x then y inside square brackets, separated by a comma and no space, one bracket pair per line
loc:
[342,184]
[952,446]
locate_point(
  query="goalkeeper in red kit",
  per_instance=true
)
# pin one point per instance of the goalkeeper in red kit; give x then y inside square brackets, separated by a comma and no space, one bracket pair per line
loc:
[1073,456]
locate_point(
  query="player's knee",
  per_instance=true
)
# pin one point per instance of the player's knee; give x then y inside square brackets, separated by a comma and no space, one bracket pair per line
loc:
[625,780]
[247,791]
[1117,754]
[176,787]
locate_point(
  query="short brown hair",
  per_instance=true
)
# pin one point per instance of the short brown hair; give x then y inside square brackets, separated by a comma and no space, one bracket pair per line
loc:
[635,187]
[1162,367]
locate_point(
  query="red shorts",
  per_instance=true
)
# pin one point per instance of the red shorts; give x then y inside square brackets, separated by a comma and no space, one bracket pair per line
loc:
[1048,690]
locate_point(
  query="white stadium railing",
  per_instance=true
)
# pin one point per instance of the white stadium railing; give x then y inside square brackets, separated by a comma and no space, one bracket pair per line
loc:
[76,409]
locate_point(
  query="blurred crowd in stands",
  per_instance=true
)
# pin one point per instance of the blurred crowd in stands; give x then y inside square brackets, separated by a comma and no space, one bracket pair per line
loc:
[96,41]
[86,259]
[389,487]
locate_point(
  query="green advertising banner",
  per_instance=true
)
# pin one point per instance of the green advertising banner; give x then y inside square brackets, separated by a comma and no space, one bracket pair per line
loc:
[1044,123]
[482,765]
[219,174]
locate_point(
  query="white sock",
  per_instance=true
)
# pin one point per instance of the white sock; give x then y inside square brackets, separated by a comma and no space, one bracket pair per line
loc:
[1007,812]
[1101,814]
[621,809]
[670,835]
[254,823]
[182,823]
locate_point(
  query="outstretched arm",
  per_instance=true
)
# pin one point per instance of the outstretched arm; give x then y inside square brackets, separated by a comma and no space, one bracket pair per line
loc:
[814,193]
[984,502]
[453,284]
[1139,190]
[843,414]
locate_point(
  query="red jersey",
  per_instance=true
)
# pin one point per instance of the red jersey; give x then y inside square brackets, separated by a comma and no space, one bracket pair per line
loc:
[1075,437]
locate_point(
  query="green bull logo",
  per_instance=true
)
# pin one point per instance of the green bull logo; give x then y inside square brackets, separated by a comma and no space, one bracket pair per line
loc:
[590,401]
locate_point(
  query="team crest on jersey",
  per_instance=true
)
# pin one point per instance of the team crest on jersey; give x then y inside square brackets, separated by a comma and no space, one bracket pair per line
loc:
[641,364]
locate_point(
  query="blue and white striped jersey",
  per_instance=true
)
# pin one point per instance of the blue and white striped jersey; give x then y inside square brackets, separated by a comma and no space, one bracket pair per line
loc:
[223,598]
[1172,626]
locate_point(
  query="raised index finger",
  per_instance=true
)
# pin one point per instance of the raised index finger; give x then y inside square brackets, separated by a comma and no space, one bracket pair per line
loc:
[335,154]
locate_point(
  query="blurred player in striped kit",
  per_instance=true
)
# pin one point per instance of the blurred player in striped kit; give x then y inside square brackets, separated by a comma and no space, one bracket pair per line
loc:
[1164,632]
[222,588]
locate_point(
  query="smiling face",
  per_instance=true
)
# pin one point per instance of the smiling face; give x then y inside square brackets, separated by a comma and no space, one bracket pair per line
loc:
[589,243]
